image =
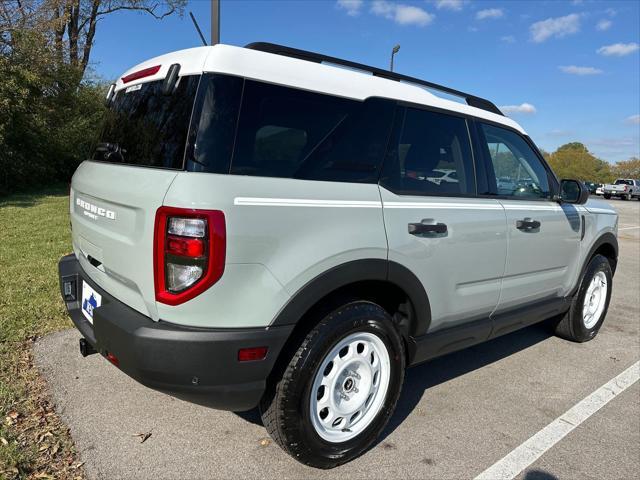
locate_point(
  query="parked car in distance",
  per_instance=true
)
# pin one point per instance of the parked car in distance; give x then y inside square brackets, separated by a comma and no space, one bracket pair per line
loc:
[624,188]
[599,190]
[258,227]
[592,187]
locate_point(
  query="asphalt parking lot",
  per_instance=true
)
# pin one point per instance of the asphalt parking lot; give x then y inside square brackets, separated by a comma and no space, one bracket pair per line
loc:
[457,416]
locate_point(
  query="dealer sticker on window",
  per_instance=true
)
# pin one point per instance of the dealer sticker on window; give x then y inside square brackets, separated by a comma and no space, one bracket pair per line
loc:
[90,301]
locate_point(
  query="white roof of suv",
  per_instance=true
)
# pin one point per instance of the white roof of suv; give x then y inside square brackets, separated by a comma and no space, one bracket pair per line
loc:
[306,75]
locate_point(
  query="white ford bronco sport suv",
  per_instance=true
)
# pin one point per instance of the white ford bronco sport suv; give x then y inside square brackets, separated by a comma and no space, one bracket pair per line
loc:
[260,226]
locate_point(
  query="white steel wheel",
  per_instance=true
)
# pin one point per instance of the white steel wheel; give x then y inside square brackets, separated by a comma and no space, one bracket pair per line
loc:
[595,300]
[350,387]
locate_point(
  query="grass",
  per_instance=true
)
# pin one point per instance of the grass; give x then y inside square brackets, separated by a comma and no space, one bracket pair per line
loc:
[34,234]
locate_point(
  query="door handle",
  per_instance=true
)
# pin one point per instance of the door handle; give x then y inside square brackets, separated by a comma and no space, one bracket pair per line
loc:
[422,228]
[527,224]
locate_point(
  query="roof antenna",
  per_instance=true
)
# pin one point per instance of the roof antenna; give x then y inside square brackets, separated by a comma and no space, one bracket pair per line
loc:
[195,24]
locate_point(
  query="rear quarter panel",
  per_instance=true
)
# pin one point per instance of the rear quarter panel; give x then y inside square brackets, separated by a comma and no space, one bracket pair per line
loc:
[281,233]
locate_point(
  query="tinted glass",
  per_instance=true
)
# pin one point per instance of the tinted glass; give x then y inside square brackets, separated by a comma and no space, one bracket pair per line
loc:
[354,151]
[284,132]
[144,127]
[215,119]
[624,182]
[431,155]
[518,170]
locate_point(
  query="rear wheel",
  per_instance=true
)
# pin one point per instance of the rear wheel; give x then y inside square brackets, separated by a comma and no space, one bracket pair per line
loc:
[607,196]
[589,306]
[339,389]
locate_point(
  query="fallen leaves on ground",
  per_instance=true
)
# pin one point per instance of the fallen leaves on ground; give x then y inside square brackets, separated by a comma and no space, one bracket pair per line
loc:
[143,436]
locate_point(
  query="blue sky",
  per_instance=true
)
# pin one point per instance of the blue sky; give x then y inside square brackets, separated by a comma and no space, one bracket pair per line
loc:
[569,70]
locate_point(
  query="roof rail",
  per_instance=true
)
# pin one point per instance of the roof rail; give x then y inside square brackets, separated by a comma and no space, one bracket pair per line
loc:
[471,100]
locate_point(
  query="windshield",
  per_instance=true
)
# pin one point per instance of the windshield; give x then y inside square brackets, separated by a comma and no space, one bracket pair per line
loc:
[623,182]
[144,127]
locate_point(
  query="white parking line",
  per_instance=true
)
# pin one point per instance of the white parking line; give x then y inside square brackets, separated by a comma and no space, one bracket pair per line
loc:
[532,449]
[628,228]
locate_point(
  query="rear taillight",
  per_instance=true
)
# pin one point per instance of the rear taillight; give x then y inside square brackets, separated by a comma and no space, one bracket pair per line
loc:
[189,252]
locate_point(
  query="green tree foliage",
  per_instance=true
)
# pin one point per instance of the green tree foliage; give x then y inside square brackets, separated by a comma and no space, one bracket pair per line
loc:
[50,108]
[574,160]
[628,168]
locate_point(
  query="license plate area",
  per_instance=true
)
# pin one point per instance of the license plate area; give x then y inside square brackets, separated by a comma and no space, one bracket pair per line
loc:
[90,301]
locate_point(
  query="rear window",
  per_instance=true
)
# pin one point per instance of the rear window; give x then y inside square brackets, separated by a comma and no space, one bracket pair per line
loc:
[623,182]
[146,128]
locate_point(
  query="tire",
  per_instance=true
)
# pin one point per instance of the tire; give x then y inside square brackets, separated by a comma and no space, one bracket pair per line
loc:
[624,197]
[292,409]
[577,325]
[607,196]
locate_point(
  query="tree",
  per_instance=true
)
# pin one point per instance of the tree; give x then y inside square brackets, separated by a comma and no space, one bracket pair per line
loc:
[573,160]
[49,111]
[628,168]
[70,25]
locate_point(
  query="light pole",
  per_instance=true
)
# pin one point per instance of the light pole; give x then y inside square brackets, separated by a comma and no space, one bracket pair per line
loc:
[393,52]
[215,22]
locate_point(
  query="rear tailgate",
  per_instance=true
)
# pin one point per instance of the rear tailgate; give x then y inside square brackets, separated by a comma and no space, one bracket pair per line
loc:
[112,215]
[115,196]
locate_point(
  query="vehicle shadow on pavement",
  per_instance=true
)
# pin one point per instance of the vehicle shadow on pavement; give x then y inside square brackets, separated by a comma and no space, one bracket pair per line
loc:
[441,370]
[539,475]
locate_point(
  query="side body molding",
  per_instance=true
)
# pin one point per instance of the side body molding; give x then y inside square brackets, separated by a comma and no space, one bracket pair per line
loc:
[354,272]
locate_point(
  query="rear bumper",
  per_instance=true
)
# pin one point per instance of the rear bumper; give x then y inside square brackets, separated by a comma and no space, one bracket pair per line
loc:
[199,365]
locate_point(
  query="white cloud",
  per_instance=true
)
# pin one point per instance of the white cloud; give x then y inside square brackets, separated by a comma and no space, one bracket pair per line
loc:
[575,70]
[352,7]
[523,108]
[490,13]
[633,119]
[508,39]
[603,25]
[618,49]
[455,5]
[402,14]
[555,27]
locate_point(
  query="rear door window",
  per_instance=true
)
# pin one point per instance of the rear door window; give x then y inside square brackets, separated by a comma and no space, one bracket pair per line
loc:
[431,155]
[146,128]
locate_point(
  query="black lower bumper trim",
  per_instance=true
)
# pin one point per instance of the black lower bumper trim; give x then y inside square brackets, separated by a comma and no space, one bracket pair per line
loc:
[199,365]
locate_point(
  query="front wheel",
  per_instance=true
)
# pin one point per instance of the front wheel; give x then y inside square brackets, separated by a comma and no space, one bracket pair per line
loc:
[339,389]
[590,304]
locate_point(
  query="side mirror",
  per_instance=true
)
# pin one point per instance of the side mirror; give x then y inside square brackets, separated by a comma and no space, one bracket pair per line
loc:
[573,191]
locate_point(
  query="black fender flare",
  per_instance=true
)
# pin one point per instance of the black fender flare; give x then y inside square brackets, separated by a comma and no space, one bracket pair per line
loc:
[358,271]
[606,238]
